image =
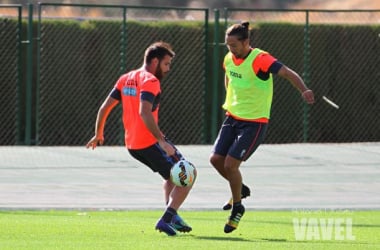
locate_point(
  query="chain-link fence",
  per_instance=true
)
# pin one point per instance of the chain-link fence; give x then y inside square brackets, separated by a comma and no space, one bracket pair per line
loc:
[79,51]
[336,53]
[77,71]
[10,35]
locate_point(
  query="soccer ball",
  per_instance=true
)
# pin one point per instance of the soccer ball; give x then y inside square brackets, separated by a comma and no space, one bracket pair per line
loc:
[183,173]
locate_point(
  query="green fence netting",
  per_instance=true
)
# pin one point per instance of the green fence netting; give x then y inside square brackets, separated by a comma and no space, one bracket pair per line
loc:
[60,61]
[336,53]
[81,57]
[10,39]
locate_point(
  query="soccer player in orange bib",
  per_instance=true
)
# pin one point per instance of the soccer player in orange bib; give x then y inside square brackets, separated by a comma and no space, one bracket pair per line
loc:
[249,91]
[139,92]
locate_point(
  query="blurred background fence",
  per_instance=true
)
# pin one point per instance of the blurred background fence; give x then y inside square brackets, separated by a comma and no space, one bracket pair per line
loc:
[10,101]
[337,53]
[60,61]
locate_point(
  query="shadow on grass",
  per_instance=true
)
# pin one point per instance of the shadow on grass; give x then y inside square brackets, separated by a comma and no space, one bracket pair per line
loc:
[273,240]
[223,238]
[314,241]
[237,239]
[291,223]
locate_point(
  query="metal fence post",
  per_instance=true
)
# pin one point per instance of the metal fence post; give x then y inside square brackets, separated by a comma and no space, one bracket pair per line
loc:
[19,84]
[123,68]
[306,75]
[29,78]
[215,82]
[37,92]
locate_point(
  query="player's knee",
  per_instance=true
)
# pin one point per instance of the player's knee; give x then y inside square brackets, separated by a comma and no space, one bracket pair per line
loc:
[231,168]
[216,160]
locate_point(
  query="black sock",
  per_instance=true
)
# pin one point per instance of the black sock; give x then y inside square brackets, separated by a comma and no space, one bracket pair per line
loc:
[168,215]
[237,204]
[237,207]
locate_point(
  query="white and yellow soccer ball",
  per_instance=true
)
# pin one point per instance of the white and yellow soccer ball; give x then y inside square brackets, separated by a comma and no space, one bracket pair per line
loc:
[183,173]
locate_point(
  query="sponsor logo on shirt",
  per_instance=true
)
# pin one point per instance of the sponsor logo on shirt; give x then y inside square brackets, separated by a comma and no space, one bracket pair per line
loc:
[234,74]
[129,91]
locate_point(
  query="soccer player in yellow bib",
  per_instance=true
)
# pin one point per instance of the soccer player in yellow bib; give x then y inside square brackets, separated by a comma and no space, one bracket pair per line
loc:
[249,92]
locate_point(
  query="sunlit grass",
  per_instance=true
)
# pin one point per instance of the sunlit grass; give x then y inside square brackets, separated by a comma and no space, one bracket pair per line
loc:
[135,230]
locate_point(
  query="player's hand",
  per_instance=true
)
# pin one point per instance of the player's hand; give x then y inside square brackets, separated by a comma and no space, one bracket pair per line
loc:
[95,141]
[308,96]
[167,147]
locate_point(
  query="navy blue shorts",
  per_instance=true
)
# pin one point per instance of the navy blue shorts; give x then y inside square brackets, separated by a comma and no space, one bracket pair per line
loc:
[239,139]
[156,158]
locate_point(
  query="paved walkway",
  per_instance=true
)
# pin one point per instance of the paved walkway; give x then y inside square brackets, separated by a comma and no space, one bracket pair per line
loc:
[287,176]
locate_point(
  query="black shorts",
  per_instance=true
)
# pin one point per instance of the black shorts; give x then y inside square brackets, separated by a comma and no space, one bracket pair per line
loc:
[239,139]
[156,158]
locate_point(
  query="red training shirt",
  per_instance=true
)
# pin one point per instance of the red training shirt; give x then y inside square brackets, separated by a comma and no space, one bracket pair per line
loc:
[131,85]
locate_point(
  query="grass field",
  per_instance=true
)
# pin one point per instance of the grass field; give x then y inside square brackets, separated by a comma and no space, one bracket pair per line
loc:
[135,230]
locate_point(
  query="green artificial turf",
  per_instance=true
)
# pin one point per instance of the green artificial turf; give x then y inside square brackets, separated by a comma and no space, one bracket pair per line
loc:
[300,229]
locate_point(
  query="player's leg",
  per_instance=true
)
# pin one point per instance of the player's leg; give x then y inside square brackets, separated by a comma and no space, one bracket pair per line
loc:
[177,222]
[174,195]
[168,187]
[171,220]
[217,161]
[149,156]
[222,144]
[245,192]
[224,141]
[235,180]
[249,135]
[234,176]
[157,160]
[177,197]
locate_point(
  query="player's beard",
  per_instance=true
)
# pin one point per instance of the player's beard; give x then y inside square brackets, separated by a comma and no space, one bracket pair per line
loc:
[159,73]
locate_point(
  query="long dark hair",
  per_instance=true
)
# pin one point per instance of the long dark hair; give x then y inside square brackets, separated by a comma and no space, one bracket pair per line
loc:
[240,30]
